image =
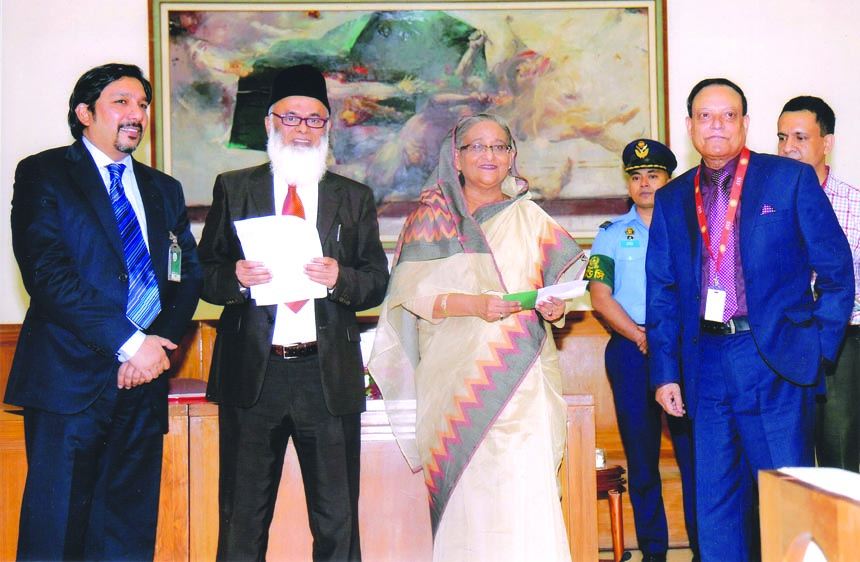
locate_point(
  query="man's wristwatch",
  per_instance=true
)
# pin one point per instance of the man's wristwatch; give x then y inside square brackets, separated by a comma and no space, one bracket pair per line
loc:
[245,291]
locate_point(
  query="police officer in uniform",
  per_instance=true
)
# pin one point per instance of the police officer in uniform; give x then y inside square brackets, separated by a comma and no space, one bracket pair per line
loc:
[616,274]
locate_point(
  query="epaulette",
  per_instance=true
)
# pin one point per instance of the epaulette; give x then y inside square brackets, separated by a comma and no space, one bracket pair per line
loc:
[605,225]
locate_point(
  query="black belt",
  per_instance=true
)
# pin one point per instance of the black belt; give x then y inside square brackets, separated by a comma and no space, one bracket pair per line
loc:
[298,350]
[852,330]
[733,326]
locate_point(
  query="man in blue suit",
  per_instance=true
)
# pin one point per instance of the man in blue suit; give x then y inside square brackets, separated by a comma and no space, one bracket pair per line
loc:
[736,336]
[109,261]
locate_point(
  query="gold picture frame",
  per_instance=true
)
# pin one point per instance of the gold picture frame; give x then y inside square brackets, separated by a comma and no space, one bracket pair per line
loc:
[576,80]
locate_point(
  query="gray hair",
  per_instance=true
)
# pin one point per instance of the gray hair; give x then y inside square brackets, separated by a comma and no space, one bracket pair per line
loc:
[468,122]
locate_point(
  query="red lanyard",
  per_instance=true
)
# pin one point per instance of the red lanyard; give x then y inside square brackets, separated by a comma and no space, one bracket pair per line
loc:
[734,200]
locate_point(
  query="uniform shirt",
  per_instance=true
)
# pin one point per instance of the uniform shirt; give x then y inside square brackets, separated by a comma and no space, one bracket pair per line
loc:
[618,260]
[845,200]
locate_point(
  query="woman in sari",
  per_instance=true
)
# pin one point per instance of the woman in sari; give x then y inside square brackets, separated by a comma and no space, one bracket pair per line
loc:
[471,381]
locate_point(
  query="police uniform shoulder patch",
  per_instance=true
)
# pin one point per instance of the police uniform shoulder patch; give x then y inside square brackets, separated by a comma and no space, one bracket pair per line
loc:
[606,225]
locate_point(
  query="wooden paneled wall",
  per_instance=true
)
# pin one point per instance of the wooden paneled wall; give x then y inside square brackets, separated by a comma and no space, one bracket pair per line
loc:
[581,344]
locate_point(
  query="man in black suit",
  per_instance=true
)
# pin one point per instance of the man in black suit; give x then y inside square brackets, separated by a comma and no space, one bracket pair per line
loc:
[108,259]
[291,370]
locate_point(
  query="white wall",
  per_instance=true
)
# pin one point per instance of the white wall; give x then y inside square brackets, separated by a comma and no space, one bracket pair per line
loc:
[45,45]
[774,49]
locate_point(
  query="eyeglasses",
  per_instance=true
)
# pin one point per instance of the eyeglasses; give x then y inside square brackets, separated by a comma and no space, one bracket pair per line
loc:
[291,120]
[478,148]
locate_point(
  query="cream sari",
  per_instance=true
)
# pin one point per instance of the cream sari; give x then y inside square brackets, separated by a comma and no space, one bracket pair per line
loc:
[477,405]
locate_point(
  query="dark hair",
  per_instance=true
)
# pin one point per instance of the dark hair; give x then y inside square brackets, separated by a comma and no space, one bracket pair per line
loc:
[89,88]
[824,115]
[715,82]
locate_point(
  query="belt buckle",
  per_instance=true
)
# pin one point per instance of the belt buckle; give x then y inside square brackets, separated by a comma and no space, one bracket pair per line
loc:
[730,327]
[717,328]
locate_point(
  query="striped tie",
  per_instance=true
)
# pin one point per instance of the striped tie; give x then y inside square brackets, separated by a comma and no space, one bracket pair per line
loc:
[143,302]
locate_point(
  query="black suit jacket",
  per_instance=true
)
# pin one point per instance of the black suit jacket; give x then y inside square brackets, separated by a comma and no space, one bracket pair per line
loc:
[244,339]
[70,253]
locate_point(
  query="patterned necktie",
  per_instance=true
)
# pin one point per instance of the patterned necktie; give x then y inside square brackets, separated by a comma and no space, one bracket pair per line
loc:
[716,221]
[143,302]
[293,206]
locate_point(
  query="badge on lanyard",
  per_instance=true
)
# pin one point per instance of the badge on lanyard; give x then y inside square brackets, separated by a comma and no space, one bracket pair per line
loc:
[715,304]
[174,264]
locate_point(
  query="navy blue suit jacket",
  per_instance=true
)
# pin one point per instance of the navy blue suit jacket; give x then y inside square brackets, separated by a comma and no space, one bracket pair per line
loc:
[779,251]
[70,253]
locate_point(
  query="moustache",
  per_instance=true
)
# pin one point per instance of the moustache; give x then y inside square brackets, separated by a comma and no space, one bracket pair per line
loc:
[136,125]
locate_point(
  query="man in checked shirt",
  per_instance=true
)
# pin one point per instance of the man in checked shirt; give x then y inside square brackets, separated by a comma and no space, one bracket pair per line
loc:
[805,132]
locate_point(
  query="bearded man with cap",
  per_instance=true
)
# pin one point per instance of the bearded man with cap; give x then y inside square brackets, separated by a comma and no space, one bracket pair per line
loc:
[291,370]
[616,274]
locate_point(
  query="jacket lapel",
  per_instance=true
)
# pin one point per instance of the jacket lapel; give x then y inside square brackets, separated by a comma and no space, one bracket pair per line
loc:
[87,178]
[751,196]
[688,203]
[261,192]
[156,227]
[329,202]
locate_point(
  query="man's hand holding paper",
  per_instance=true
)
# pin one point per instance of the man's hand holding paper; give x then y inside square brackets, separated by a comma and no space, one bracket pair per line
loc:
[290,263]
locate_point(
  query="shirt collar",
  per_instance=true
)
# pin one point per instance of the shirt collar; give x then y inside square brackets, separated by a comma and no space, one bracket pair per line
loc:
[101,159]
[731,167]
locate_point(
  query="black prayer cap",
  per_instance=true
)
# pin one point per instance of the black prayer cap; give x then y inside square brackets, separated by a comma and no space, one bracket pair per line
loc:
[647,153]
[300,80]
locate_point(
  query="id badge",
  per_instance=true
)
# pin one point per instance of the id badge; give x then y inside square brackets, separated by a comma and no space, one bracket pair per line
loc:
[715,304]
[174,264]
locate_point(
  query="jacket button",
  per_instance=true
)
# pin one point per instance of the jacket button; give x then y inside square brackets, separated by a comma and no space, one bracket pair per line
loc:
[270,320]
[695,341]
[123,277]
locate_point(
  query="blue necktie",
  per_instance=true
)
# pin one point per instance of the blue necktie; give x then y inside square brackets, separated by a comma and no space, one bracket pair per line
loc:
[143,302]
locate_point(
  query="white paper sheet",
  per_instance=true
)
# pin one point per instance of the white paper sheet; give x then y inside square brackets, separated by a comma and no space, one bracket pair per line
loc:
[285,244]
[564,291]
[833,480]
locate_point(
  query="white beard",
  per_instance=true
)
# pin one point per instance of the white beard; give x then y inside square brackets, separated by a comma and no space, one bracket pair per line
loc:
[297,165]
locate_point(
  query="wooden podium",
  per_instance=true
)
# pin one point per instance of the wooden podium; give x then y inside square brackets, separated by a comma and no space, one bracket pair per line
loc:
[795,511]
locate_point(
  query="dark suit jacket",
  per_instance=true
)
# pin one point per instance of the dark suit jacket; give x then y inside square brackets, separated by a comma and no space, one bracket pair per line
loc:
[243,343]
[779,250]
[68,246]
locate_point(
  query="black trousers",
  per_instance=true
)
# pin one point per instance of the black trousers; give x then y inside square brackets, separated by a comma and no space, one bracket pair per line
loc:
[253,442]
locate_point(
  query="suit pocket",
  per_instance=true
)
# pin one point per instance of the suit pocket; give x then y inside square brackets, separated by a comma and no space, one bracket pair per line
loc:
[768,218]
[231,320]
[800,315]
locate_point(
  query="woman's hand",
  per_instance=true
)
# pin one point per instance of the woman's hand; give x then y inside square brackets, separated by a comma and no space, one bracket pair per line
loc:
[493,308]
[552,309]
[490,308]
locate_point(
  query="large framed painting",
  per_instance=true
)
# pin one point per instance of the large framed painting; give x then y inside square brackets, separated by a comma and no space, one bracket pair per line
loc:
[576,80]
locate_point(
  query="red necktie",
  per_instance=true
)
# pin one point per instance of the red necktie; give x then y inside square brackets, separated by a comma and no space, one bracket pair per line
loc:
[292,203]
[293,206]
